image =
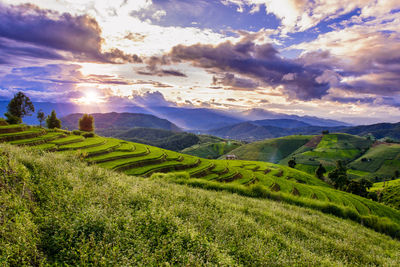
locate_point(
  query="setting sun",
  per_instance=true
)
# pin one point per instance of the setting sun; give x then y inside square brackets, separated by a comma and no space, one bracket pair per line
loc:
[91,97]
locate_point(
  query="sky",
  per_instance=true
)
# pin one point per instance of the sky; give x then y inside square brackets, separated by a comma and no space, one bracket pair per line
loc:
[333,59]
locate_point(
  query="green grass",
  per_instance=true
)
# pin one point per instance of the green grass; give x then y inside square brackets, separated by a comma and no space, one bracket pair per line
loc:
[211,150]
[379,186]
[68,140]
[379,161]
[272,150]
[289,185]
[109,219]
[38,140]
[331,147]
[86,143]
[109,146]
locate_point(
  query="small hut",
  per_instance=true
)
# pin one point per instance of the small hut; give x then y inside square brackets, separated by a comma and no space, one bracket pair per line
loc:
[230,157]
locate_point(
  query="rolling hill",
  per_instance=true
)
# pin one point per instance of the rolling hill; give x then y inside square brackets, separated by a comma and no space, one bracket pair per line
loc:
[272,150]
[120,121]
[248,178]
[373,160]
[167,139]
[56,210]
[212,150]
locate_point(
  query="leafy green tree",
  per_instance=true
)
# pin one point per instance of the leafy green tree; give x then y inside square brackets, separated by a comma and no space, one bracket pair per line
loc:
[359,187]
[86,123]
[339,176]
[292,163]
[41,117]
[320,171]
[19,107]
[52,121]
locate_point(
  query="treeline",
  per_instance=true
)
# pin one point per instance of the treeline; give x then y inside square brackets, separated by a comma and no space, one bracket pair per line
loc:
[21,106]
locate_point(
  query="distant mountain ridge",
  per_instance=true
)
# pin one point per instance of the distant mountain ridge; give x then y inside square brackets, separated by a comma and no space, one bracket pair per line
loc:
[262,114]
[193,119]
[264,129]
[121,121]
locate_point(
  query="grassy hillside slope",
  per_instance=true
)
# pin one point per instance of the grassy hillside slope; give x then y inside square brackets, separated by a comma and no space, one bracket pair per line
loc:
[327,149]
[250,178]
[272,150]
[167,139]
[388,192]
[381,160]
[56,210]
[212,150]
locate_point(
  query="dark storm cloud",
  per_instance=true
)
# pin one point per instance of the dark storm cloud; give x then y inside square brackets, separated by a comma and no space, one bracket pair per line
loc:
[78,35]
[261,63]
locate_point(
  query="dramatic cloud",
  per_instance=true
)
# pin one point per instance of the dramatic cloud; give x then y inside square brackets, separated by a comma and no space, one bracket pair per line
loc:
[80,36]
[150,99]
[300,15]
[259,62]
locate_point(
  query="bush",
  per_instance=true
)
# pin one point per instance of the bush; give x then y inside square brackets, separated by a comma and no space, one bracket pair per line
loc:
[86,123]
[87,135]
[52,121]
[3,122]
[11,119]
[76,132]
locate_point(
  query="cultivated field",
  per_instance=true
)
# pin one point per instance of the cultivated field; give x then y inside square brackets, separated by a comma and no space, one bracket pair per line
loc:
[249,178]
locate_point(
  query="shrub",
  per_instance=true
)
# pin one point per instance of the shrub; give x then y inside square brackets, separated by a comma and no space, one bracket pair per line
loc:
[87,135]
[52,121]
[3,122]
[11,119]
[86,123]
[76,132]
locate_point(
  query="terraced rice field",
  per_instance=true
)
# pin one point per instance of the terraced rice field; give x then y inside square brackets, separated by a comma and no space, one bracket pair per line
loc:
[143,160]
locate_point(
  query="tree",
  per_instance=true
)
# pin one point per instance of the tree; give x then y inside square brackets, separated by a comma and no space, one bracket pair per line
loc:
[52,121]
[292,163]
[41,117]
[396,174]
[359,187]
[339,176]
[325,132]
[19,107]
[320,171]
[86,123]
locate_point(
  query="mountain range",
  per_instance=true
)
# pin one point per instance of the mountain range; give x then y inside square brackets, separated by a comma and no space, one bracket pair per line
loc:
[189,119]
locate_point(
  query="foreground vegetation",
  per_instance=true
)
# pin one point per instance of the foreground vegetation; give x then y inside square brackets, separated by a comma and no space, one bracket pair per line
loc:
[57,210]
[248,178]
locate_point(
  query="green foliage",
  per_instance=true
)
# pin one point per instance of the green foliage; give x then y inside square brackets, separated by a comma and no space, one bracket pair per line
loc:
[41,117]
[339,176]
[272,150]
[292,163]
[77,132]
[320,171]
[86,123]
[12,119]
[58,211]
[88,135]
[138,159]
[212,150]
[359,187]
[166,139]
[52,121]
[19,107]
[3,122]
